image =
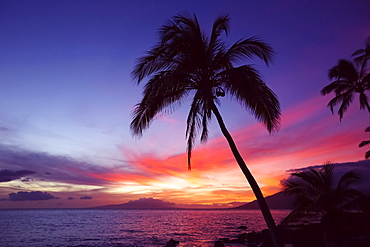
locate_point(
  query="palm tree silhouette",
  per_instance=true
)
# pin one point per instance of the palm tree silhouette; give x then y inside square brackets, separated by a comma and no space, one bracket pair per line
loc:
[186,62]
[363,143]
[318,194]
[320,197]
[350,78]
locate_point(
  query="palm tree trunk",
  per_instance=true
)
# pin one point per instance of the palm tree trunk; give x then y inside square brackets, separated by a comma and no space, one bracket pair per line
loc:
[252,182]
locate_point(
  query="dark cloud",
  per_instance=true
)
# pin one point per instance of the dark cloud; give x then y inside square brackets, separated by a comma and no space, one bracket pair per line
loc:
[86,197]
[70,198]
[9,175]
[63,169]
[31,196]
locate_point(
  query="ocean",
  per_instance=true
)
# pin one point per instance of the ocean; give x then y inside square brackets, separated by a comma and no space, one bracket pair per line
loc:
[125,228]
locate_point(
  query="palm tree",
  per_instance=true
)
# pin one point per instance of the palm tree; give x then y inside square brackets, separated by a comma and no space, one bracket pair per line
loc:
[350,78]
[363,143]
[318,194]
[187,63]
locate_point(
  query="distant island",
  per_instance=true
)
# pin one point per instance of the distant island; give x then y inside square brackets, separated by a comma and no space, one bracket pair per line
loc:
[142,203]
[276,201]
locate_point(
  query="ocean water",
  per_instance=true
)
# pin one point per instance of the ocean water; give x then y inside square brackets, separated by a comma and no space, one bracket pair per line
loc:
[125,228]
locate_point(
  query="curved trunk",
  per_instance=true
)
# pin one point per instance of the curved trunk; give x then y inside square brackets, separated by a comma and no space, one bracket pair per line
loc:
[252,182]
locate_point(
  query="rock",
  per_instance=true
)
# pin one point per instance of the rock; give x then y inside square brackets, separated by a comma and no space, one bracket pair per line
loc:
[254,237]
[304,235]
[219,244]
[172,243]
[224,240]
[242,238]
[242,227]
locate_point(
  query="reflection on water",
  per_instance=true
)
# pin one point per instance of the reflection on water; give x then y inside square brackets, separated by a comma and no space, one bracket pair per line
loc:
[126,227]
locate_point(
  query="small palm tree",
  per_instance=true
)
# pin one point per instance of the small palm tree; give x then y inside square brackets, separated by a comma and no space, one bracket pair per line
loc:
[187,63]
[350,78]
[317,193]
[363,143]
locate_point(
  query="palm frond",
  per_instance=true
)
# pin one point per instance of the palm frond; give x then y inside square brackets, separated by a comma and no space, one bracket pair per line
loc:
[154,61]
[221,24]
[367,154]
[193,124]
[344,69]
[327,175]
[364,102]
[337,86]
[246,86]
[160,94]
[348,179]
[366,81]
[363,143]
[207,115]
[346,98]
[301,185]
[248,48]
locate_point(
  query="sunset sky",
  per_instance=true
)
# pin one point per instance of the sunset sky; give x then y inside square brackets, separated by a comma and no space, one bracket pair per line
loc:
[66,97]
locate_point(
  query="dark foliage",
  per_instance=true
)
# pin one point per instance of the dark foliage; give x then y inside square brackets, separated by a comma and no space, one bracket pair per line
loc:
[350,78]
[186,64]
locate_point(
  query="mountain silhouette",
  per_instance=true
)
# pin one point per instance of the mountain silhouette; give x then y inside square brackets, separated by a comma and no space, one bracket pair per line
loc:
[275,201]
[142,203]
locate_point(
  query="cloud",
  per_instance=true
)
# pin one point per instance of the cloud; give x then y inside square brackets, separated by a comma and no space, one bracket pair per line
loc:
[150,202]
[70,198]
[31,196]
[9,175]
[86,197]
[27,179]
[63,169]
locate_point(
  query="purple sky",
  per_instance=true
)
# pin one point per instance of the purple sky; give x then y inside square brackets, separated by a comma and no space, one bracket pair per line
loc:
[66,97]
